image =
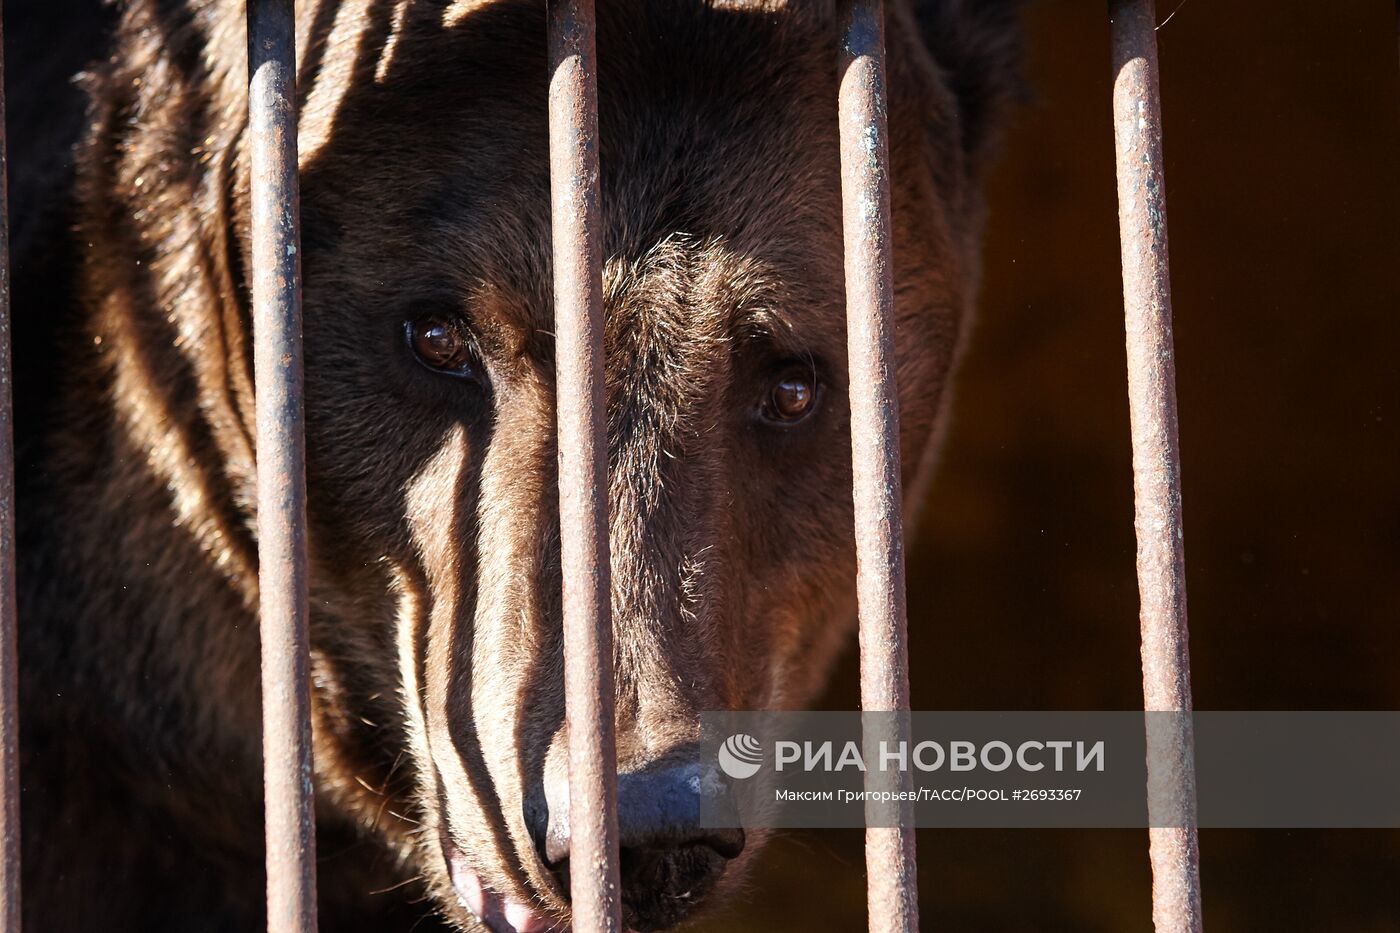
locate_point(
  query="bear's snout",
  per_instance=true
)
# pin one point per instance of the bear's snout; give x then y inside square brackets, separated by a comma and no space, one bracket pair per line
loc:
[669,862]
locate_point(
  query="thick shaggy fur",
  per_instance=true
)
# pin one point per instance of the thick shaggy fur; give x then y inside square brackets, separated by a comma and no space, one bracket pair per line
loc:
[435,594]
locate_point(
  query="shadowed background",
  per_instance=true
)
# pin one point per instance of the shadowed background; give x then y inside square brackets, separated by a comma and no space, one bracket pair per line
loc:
[1282,126]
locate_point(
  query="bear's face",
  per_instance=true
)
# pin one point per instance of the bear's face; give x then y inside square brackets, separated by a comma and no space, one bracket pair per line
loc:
[430,408]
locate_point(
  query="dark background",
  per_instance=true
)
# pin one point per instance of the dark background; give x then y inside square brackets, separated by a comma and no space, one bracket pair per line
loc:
[1282,149]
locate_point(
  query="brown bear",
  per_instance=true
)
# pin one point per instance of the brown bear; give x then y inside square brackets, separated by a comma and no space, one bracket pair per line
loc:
[438,707]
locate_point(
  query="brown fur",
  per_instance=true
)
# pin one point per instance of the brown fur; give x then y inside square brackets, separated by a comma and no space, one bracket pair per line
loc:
[435,593]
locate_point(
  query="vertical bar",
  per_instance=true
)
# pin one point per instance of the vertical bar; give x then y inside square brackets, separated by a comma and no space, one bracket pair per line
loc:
[281,445]
[891,895]
[1166,664]
[583,467]
[9,652]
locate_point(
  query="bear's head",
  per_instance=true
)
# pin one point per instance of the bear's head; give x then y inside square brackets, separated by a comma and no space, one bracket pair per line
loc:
[430,390]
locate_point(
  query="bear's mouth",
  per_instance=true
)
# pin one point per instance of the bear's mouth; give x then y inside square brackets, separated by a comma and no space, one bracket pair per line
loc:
[501,914]
[497,913]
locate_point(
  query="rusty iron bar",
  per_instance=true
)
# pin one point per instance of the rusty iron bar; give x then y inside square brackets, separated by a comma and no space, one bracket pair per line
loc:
[281,446]
[583,467]
[1161,569]
[9,649]
[891,895]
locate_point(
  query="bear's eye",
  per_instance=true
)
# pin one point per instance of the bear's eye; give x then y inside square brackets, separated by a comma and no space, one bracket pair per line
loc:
[791,397]
[440,345]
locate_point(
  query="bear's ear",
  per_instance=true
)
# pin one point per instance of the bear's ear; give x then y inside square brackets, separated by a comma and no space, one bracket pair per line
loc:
[977,45]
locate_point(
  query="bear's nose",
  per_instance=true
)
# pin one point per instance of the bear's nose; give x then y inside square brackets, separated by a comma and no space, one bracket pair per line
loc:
[668,861]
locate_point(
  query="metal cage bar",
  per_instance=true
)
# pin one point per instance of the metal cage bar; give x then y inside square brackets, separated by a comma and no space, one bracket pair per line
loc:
[281,446]
[1161,570]
[891,893]
[583,467]
[9,660]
